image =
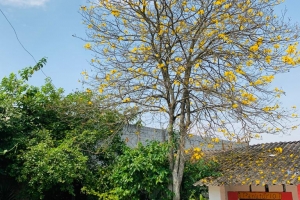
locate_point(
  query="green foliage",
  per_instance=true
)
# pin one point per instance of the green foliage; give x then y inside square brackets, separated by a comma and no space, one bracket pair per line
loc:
[28,71]
[143,173]
[57,146]
[47,164]
[193,172]
[51,142]
[140,173]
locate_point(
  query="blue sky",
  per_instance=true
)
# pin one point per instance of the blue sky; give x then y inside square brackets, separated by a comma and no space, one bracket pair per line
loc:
[45,28]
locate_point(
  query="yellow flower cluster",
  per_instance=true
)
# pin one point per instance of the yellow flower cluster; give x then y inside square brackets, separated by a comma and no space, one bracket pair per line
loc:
[235,105]
[87,46]
[270,108]
[239,70]
[276,46]
[160,65]
[268,79]
[292,48]
[289,60]
[216,140]
[255,47]
[223,36]
[176,82]
[180,69]
[230,76]
[196,153]
[219,2]
[178,59]
[278,149]
[248,98]
[102,87]
[115,13]
[263,80]
[126,100]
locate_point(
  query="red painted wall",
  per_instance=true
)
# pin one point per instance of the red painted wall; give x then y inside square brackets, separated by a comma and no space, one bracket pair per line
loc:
[298,190]
[287,196]
[233,196]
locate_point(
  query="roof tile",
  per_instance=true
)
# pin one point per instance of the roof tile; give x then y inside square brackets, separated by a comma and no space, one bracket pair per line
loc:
[269,163]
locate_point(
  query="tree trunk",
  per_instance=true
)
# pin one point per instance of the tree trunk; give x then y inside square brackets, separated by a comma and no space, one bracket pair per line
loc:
[171,152]
[178,167]
[178,175]
[176,163]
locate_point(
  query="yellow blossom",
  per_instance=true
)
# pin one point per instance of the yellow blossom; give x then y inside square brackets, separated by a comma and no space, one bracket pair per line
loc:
[160,65]
[113,71]
[115,13]
[88,90]
[176,82]
[197,149]
[291,49]
[268,59]
[230,76]
[254,47]
[240,71]
[200,12]
[276,46]
[294,115]
[268,79]
[249,63]
[235,105]
[178,59]
[258,82]
[278,149]
[107,77]
[88,46]
[126,100]
[216,140]
[83,8]
[288,60]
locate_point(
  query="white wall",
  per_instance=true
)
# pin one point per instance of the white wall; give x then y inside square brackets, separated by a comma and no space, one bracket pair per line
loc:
[293,189]
[258,188]
[236,188]
[275,188]
[215,193]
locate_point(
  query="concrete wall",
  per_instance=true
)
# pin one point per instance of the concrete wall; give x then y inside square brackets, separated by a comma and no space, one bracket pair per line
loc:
[133,134]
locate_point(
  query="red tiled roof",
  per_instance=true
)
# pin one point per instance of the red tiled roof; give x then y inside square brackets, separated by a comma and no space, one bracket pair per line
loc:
[270,163]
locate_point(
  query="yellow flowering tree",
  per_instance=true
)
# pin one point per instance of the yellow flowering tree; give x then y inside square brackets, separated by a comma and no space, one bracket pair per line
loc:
[204,65]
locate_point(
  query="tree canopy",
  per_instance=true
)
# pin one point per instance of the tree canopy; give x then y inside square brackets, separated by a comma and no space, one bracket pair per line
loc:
[205,65]
[50,142]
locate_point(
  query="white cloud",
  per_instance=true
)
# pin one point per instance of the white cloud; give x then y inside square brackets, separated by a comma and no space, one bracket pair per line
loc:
[31,3]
